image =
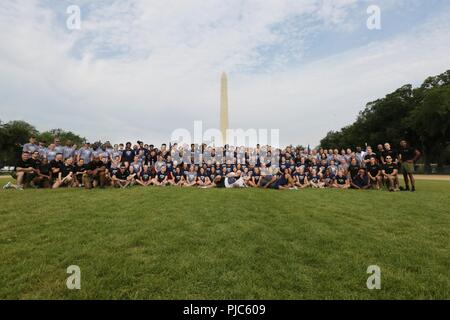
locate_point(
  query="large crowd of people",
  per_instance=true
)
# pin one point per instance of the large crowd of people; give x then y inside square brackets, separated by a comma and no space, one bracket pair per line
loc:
[143,165]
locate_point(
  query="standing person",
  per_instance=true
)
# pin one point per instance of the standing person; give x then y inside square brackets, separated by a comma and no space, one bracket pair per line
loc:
[380,151]
[368,156]
[388,152]
[85,153]
[128,154]
[58,147]
[390,173]
[69,150]
[50,153]
[360,154]
[407,156]
[31,146]
[42,150]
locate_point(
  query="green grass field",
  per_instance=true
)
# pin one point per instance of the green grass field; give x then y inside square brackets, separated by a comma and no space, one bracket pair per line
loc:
[169,243]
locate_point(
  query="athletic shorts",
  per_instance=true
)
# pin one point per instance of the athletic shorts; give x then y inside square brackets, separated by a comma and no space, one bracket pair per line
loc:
[407,167]
[281,182]
[27,177]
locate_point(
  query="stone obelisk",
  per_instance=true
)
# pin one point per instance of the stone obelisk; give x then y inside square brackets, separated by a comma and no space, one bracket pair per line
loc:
[224,107]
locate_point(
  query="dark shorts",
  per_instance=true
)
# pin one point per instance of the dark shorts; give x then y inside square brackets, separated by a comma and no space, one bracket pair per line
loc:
[27,177]
[279,183]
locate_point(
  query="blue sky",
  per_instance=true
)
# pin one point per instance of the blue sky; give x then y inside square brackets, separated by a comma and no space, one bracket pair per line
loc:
[141,69]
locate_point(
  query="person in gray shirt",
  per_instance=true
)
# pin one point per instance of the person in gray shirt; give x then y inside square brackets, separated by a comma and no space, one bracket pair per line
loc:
[69,150]
[31,146]
[51,153]
[85,153]
[58,147]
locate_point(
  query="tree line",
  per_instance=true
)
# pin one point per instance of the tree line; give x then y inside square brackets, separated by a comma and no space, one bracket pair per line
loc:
[420,115]
[14,134]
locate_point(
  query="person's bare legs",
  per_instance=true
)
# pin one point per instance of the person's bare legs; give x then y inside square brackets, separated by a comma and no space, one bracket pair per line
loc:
[19,179]
[405,177]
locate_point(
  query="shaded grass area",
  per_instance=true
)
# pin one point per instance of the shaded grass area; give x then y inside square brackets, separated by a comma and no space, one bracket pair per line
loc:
[170,243]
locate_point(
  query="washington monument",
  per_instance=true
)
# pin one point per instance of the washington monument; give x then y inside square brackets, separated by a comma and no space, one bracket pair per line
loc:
[224,107]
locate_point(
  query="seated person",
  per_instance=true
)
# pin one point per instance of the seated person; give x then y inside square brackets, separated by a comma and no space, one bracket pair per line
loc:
[234,180]
[300,178]
[203,179]
[65,175]
[96,174]
[315,180]
[44,178]
[328,178]
[24,172]
[191,177]
[341,181]
[255,178]
[145,177]
[353,168]
[79,172]
[178,177]
[361,181]
[284,181]
[162,177]
[374,173]
[120,178]
[390,174]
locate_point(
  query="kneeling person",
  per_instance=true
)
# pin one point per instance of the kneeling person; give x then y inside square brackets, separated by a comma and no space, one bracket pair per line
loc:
[65,175]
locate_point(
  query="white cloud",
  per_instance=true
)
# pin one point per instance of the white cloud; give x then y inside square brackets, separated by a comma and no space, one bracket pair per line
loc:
[140,69]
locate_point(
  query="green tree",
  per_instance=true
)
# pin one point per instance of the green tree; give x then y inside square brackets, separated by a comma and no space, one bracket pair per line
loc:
[420,115]
[12,136]
[49,136]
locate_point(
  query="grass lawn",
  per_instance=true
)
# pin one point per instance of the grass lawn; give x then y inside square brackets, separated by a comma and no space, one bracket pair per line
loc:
[169,243]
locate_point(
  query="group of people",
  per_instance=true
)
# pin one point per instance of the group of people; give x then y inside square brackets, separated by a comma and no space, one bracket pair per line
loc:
[122,166]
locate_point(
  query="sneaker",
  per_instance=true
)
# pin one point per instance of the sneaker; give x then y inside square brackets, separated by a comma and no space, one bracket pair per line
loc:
[7,186]
[413,189]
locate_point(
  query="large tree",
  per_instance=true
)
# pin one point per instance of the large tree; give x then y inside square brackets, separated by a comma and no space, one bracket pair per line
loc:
[420,115]
[12,136]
